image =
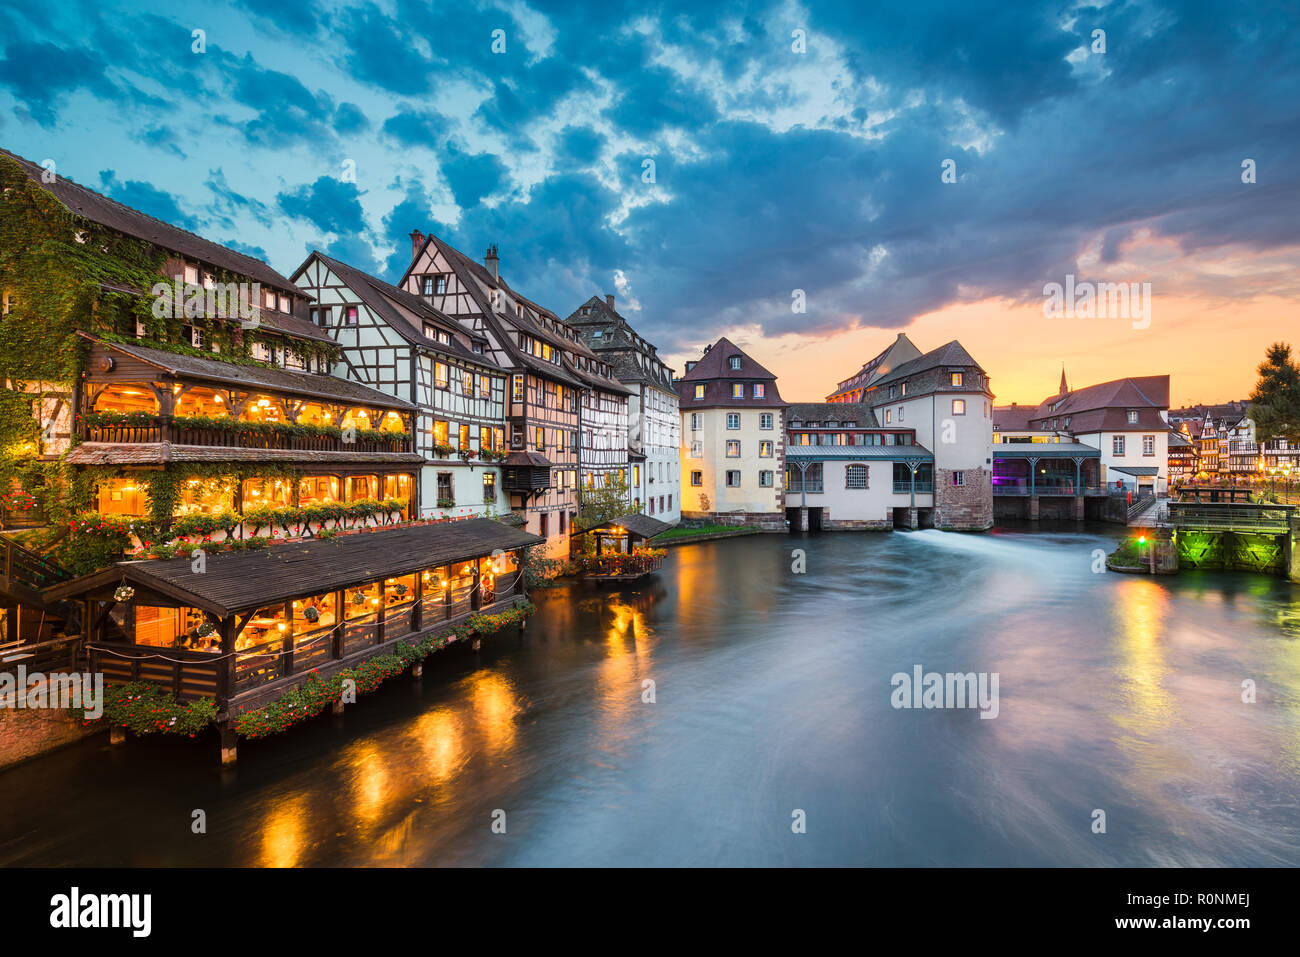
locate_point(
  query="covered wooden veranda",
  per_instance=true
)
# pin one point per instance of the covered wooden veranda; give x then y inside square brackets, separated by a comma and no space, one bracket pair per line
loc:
[616,542]
[245,627]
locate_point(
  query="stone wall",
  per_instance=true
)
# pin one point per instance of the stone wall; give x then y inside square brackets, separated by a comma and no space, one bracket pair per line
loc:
[27,732]
[967,507]
[767,521]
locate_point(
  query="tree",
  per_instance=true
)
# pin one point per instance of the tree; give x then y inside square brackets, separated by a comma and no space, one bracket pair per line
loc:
[1275,403]
[601,504]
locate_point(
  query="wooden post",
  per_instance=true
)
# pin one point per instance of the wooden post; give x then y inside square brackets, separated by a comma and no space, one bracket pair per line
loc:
[229,742]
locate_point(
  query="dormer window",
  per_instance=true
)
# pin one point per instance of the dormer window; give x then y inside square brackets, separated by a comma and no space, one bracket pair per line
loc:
[956,378]
[192,275]
[1132,416]
[286,304]
[735,363]
[268,298]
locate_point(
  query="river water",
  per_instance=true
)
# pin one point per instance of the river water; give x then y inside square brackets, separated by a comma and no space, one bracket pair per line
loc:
[772,696]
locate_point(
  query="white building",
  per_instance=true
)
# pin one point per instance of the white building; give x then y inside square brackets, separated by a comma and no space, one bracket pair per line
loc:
[653,426]
[1125,420]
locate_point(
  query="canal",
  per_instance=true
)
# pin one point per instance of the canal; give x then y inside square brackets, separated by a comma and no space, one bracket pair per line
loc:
[771,694]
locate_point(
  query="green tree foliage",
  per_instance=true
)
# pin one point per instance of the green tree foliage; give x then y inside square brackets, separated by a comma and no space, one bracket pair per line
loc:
[1275,403]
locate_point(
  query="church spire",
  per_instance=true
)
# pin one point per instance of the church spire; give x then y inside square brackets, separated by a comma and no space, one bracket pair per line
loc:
[1064,388]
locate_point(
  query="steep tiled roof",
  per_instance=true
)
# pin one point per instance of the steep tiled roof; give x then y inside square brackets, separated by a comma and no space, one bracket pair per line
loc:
[715,374]
[715,364]
[98,208]
[1105,406]
[404,311]
[608,333]
[897,352]
[950,354]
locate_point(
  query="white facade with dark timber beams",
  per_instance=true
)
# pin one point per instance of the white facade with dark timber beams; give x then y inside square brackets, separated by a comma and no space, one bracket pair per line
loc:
[653,414]
[543,396]
[396,342]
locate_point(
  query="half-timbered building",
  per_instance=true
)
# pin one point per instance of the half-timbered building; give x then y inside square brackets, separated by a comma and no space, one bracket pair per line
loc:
[654,424]
[186,393]
[399,343]
[543,398]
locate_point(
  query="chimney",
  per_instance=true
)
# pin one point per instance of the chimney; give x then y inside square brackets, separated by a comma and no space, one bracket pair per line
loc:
[417,240]
[491,262]
[609,300]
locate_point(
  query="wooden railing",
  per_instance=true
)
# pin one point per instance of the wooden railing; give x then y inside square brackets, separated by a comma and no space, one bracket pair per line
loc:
[186,674]
[25,567]
[59,654]
[164,430]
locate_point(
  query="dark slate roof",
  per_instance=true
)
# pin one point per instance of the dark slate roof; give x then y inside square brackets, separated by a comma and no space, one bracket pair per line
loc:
[618,344]
[949,355]
[822,412]
[160,453]
[1012,418]
[1178,440]
[902,349]
[98,208]
[1136,470]
[714,372]
[507,326]
[597,381]
[533,459]
[244,581]
[715,364]
[310,384]
[404,311]
[644,525]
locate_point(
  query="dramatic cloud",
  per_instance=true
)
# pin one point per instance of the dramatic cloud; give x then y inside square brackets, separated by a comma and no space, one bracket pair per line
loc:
[794,145]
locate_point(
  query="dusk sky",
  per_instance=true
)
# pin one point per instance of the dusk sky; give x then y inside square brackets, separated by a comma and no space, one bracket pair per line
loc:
[774,170]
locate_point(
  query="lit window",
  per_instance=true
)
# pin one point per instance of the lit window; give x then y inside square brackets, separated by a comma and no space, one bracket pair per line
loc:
[733,449]
[957,378]
[518,388]
[440,375]
[759,390]
[699,392]
[737,391]
[958,406]
[764,450]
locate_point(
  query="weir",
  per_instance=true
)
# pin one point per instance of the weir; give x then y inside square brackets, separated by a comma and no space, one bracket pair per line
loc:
[1237,535]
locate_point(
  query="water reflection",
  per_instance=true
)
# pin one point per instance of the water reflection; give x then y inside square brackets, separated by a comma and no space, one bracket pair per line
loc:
[772,692]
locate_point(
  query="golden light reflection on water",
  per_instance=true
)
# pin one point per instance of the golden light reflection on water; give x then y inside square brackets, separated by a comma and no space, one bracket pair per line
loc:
[1141,608]
[495,705]
[440,741]
[370,782]
[282,833]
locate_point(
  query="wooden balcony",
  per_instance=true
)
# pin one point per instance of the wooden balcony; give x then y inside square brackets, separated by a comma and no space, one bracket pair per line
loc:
[163,429]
